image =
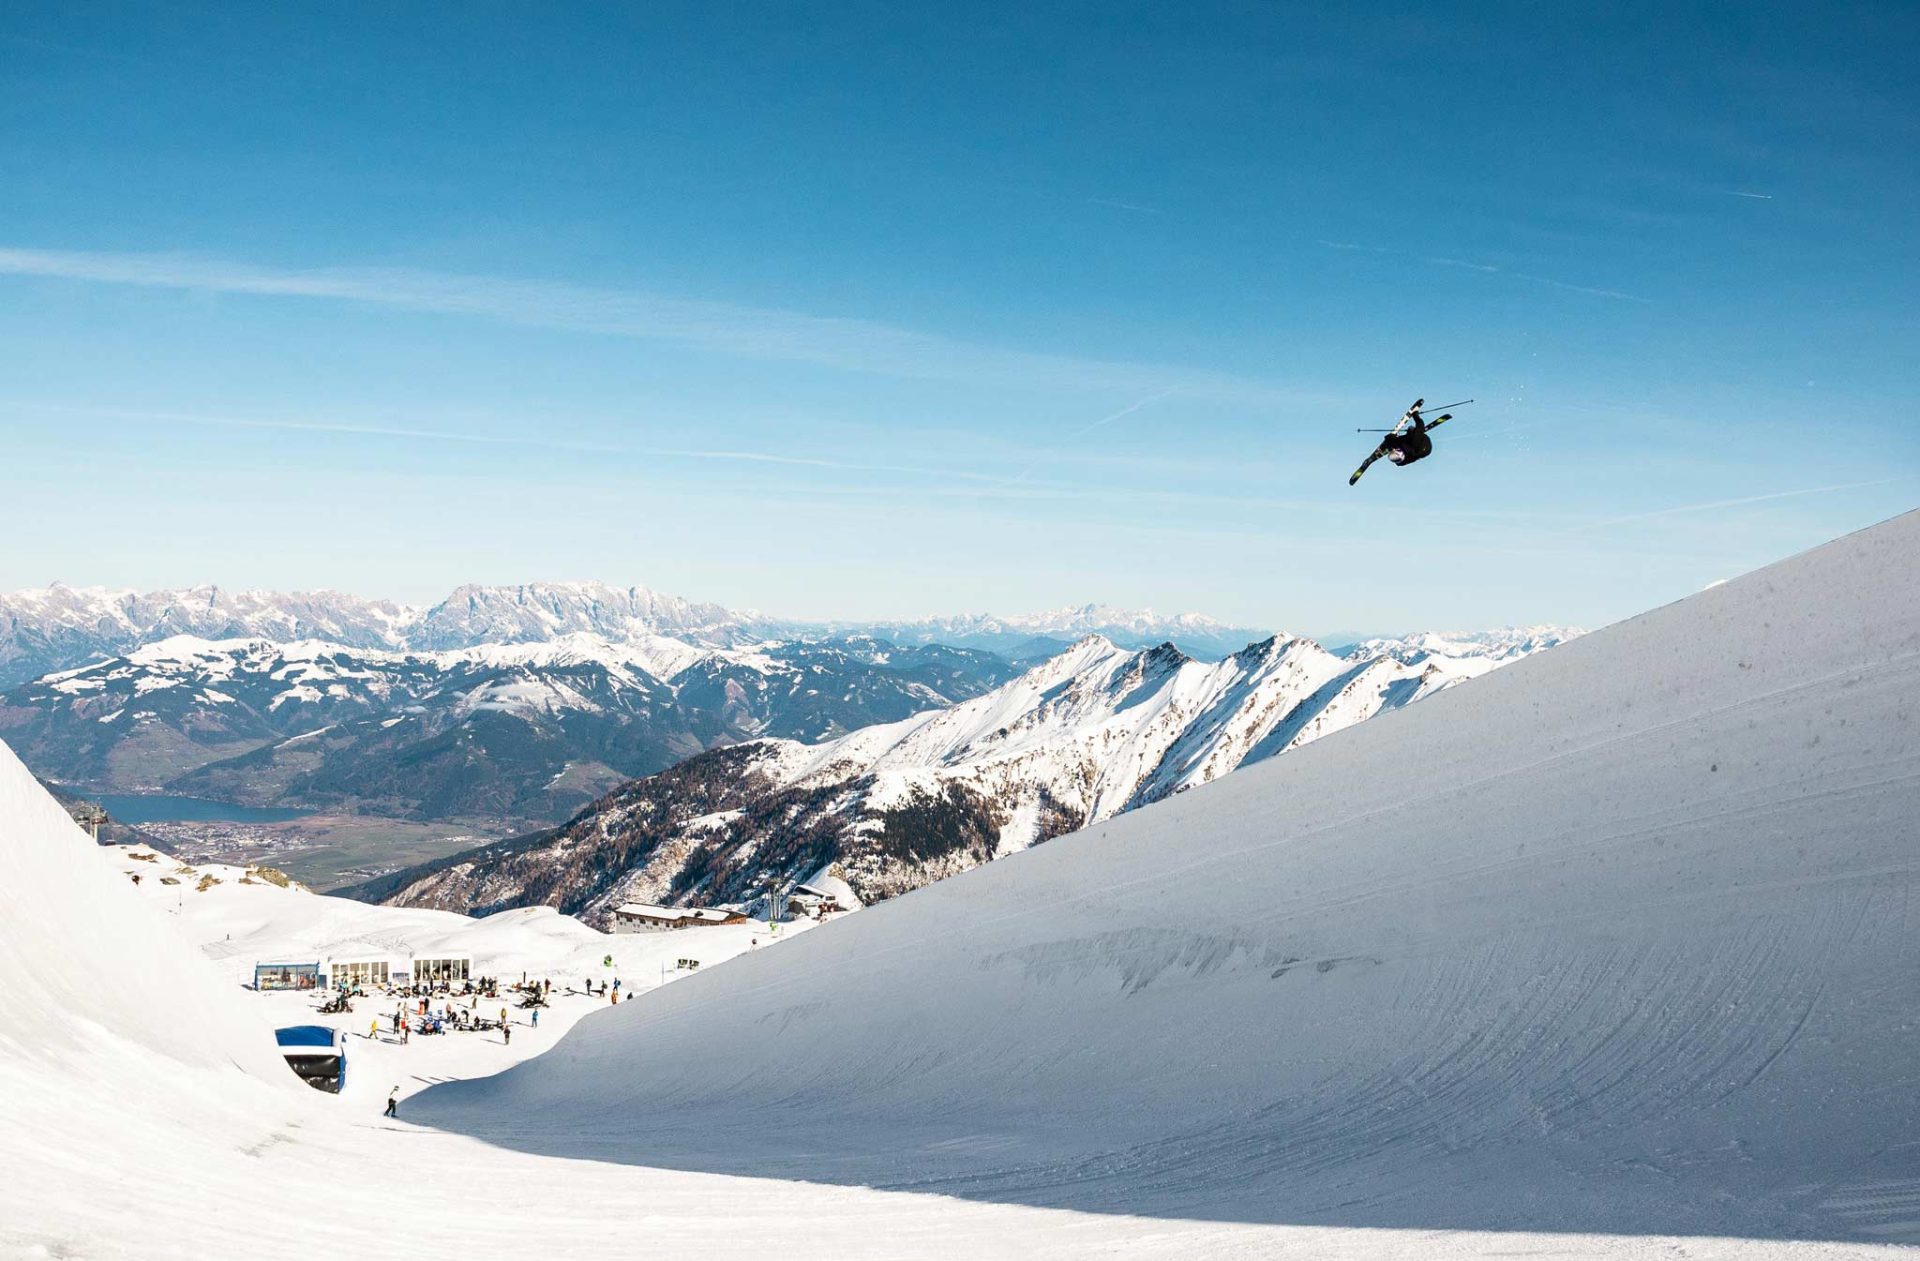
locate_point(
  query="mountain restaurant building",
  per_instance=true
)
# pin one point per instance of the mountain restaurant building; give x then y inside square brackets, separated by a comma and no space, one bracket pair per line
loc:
[443,970]
[348,973]
[640,917]
[288,976]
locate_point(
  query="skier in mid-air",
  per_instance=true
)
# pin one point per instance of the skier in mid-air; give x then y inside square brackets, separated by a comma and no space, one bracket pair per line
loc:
[1406,442]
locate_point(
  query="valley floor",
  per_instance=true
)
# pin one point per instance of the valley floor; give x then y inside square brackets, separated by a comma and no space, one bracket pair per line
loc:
[325,851]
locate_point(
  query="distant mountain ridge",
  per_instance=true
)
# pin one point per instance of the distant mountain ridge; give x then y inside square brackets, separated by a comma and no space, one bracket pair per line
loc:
[1034,634]
[1091,733]
[523,732]
[517,705]
[53,628]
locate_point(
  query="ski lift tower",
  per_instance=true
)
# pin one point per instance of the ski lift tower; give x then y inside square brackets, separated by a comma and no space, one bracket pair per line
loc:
[90,816]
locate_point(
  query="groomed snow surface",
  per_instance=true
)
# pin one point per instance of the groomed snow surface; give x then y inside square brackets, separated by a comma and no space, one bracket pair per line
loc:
[1609,953]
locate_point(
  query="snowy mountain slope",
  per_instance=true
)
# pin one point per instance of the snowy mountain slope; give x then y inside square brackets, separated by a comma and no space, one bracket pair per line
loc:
[527,730]
[148,1114]
[1076,740]
[101,995]
[1616,942]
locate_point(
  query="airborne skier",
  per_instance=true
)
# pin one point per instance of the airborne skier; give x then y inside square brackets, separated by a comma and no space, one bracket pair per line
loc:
[1404,445]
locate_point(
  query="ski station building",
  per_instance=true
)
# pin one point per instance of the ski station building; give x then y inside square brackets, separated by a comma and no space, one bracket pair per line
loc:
[288,976]
[822,894]
[641,917]
[345,973]
[442,970]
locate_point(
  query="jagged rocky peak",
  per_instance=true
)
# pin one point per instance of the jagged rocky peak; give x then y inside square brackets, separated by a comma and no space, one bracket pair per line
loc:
[1093,732]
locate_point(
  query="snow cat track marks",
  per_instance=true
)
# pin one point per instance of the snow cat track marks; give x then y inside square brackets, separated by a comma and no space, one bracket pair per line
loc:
[1138,957]
[1887,1210]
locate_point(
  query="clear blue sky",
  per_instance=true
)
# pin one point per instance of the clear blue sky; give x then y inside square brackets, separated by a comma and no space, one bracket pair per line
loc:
[893,308]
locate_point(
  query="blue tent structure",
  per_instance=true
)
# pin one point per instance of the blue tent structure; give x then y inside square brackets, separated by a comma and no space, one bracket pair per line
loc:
[317,1053]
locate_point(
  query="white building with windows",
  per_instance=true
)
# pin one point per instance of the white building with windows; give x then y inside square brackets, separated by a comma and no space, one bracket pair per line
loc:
[641,917]
[821,895]
[347,973]
[442,970]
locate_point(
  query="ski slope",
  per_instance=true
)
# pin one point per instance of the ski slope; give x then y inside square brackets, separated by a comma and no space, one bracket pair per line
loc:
[145,1112]
[1617,941]
[1606,954]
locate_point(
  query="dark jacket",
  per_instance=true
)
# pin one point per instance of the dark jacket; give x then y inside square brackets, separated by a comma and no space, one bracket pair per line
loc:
[1406,447]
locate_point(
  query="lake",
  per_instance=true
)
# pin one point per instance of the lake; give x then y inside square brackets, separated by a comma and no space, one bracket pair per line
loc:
[159,808]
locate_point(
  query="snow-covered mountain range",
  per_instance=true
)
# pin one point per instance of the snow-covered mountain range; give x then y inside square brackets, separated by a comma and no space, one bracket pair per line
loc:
[1031,635]
[58,627]
[516,704]
[1086,735]
[523,732]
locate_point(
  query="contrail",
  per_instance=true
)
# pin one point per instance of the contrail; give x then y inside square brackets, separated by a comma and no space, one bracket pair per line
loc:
[1128,410]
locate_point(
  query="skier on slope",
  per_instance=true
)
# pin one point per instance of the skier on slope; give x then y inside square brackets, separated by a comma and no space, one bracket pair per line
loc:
[1406,443]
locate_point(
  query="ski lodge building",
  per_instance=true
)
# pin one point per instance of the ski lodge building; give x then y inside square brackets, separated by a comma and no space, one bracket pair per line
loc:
[347,973]
[288,976]
[822,895]
[442,970]
[640,917]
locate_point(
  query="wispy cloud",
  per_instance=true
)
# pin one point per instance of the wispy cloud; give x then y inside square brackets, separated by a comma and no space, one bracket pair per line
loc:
[1125,205]
[1486,268]
[1538,280]
[751,332]
[205,421]
[1734,192]
[1714,504]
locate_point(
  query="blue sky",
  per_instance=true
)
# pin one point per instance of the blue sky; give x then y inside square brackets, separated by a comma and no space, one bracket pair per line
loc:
[890,309]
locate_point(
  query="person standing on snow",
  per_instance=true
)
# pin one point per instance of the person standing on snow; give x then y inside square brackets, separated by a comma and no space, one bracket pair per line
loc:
[393,1103]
